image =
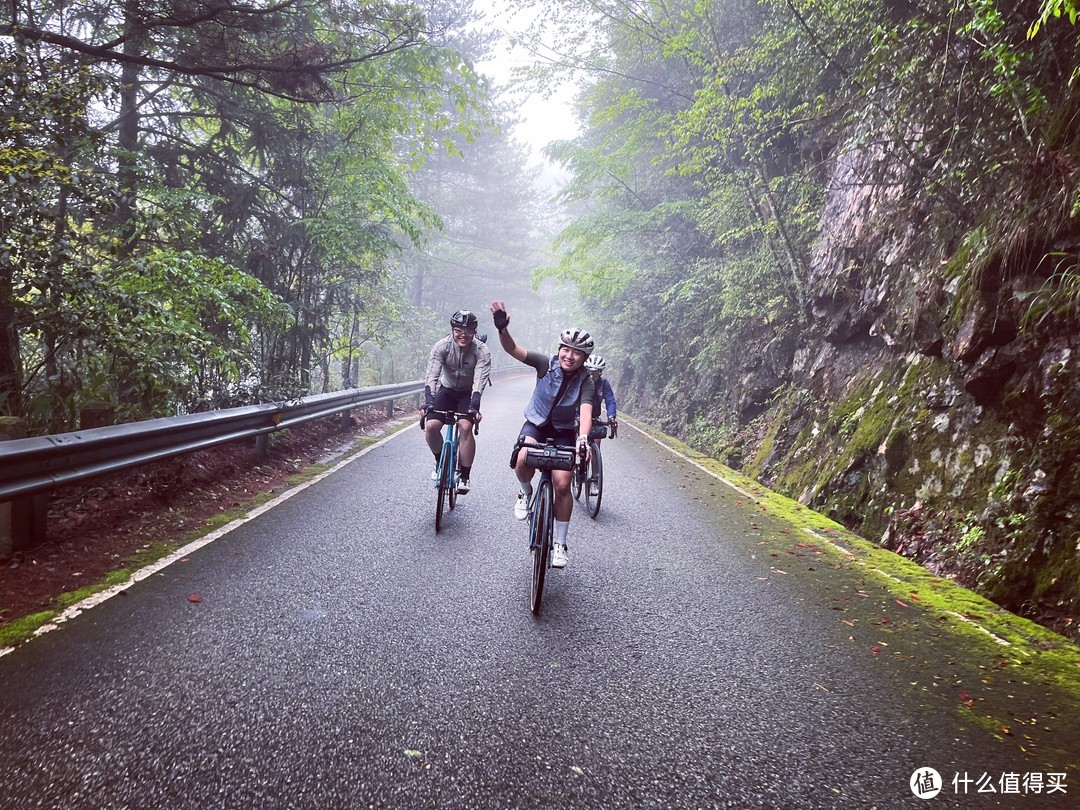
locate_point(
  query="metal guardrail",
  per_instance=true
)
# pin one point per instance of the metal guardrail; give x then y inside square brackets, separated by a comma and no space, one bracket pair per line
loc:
[41,463]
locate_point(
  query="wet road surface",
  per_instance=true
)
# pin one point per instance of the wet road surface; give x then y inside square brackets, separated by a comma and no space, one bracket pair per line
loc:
[345,656]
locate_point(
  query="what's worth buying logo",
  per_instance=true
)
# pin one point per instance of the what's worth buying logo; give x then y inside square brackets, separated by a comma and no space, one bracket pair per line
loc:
[925,783]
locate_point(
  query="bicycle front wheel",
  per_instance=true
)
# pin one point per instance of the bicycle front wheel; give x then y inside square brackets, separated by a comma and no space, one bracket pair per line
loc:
[441,490]
[576,478]
[594,483]
[540,531]
[451,491]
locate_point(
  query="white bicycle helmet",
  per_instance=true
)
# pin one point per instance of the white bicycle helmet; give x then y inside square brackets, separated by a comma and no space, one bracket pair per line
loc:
[596,362]
[577,339]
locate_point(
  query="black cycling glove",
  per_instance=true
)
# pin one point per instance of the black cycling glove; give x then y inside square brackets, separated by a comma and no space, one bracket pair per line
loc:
[429,398]
[501,319]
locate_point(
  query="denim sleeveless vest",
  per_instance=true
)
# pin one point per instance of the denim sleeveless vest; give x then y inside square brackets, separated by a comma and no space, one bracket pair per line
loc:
[542,407]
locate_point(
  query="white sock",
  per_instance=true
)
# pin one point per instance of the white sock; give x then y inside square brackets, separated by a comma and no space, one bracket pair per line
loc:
[560,531]
[526,487]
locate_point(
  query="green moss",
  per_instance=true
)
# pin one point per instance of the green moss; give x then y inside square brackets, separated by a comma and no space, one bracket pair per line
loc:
[19,630]
[765,448]
[987,629]
[861,421]
[69,598]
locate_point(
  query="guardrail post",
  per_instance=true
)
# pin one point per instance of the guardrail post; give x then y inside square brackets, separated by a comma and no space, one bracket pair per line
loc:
[23,520]
[96,414]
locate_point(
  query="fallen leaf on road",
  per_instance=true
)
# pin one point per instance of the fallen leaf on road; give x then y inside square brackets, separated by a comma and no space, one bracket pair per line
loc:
[577,770]
[412,752]
[902,603]
[194,597]
[875,650]
[848,622]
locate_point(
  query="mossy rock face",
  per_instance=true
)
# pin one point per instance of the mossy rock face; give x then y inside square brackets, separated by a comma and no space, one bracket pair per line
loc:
[952,439]
[906,435]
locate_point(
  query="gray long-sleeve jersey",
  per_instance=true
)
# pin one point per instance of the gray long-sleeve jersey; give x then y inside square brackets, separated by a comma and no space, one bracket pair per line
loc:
[459,369]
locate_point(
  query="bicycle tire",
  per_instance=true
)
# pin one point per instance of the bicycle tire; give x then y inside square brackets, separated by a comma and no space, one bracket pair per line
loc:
[451,492]
[596,476]
[441,491]
[576,478]
[540,542]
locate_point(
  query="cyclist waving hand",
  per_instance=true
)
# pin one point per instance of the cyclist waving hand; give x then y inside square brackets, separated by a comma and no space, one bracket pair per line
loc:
[562,388]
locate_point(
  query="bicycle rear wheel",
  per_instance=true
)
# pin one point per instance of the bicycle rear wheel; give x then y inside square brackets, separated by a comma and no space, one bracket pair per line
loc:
[441,493]
[540,541]
[594,483]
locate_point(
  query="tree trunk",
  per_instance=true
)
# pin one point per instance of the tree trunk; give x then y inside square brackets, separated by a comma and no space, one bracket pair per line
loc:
[128,132]
[10,365]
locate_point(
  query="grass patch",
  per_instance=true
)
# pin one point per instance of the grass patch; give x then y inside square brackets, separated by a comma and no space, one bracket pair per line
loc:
[18,631]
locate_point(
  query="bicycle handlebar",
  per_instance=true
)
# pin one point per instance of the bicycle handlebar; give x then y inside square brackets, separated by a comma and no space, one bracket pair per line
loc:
[450,416]
[549,456]
[613,424]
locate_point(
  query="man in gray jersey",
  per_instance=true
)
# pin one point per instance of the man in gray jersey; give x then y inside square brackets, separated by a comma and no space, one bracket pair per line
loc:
[458,371]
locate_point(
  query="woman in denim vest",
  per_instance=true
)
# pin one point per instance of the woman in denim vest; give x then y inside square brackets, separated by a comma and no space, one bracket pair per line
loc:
[563,389]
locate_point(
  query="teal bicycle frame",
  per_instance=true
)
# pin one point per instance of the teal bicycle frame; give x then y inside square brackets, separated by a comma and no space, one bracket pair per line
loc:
[448,475]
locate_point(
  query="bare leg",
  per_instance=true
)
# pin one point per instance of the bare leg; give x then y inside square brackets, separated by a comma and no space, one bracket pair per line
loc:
[522,470]
[433,434]
[466,443]
[564,500]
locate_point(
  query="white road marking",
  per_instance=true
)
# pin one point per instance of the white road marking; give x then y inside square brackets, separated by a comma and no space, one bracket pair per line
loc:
[96,599]
[685,457]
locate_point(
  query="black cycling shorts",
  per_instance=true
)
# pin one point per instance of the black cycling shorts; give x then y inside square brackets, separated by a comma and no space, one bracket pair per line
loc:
[447,399]
[542,434]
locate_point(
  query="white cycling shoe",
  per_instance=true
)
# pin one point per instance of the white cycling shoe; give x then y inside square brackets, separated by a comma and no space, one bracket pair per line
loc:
[521,506]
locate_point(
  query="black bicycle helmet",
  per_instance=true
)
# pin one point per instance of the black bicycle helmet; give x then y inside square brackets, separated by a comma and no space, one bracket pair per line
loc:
[577,339]
[463,319]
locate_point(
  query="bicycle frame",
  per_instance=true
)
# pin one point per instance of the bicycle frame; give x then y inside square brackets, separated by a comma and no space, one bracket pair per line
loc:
[449,474]
[545,457]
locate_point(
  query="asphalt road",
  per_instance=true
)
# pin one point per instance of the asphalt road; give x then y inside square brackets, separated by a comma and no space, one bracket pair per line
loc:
[345,656]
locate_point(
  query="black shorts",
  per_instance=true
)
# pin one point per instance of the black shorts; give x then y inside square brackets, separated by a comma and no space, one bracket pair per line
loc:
[542,434]
[447,399]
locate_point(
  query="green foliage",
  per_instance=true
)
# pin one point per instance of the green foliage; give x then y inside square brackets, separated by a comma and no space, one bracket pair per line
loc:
[1054,8]
[1057,301]
[247,227]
